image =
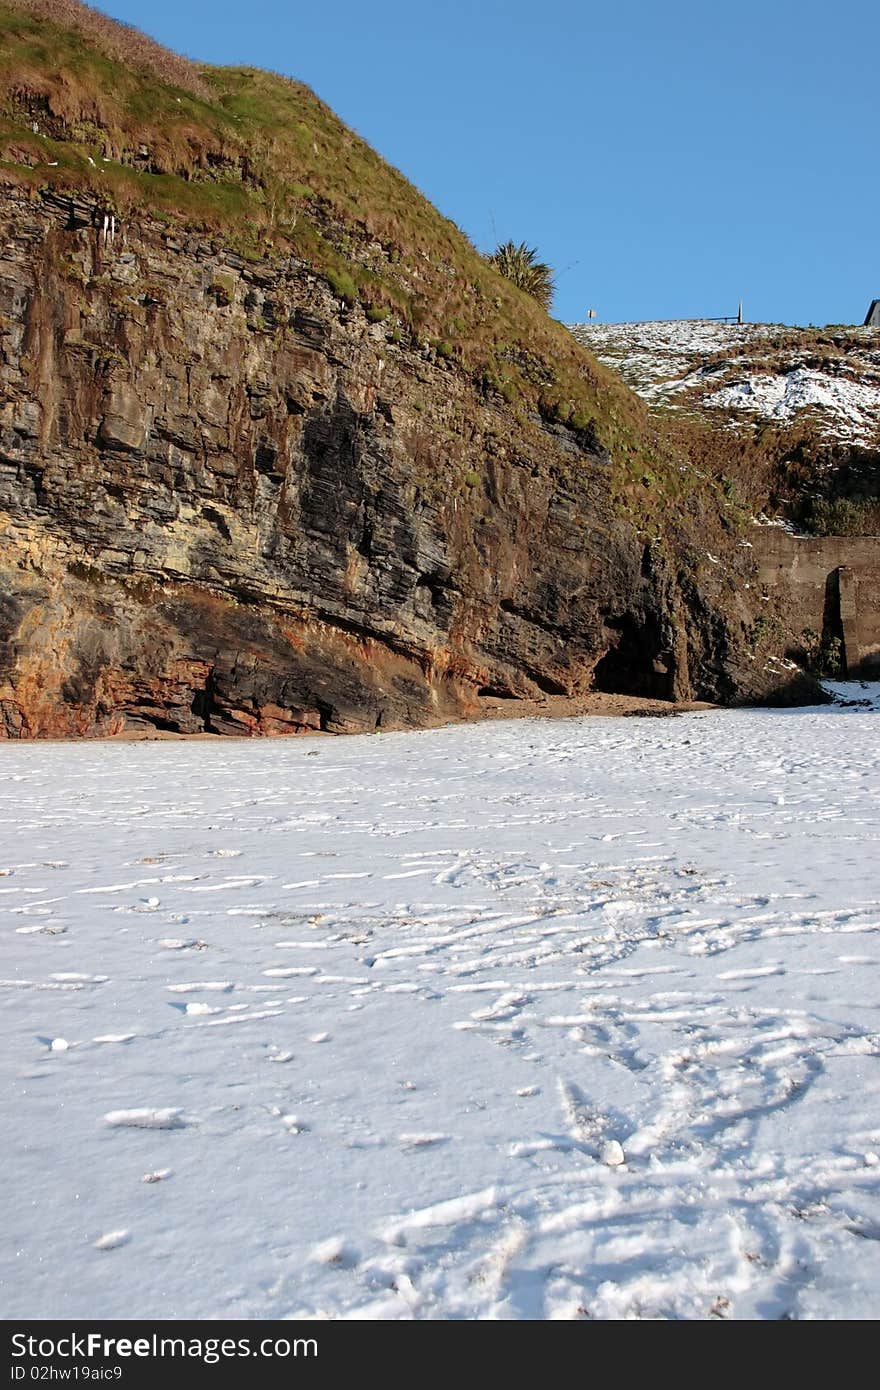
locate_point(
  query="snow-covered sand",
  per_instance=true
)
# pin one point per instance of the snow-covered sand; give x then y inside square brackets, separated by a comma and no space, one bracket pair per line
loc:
[543,1019]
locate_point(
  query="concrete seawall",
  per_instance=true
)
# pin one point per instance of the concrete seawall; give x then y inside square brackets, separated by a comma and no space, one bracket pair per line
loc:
[829,584]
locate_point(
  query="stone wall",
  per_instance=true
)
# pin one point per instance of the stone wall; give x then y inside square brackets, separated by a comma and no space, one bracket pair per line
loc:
[828,584]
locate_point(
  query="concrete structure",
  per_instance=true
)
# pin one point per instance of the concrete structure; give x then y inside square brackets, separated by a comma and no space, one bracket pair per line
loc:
[872,318]
[829,584]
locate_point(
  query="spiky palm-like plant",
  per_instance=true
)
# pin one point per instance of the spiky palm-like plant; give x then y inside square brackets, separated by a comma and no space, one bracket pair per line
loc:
[521,265]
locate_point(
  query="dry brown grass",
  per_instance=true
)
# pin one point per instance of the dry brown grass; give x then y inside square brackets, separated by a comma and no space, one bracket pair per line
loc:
[120,42]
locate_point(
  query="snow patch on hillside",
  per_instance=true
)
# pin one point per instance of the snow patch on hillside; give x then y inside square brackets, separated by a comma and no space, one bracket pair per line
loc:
[668,364]
[655,358]
[851,409]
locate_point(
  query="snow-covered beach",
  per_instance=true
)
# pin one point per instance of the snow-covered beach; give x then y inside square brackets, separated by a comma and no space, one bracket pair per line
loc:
[558,1019]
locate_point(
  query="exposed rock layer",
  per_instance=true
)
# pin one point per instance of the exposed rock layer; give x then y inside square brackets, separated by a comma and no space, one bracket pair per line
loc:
[230,503]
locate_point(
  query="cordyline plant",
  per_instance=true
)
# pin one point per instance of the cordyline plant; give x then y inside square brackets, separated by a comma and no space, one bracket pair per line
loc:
[520,264]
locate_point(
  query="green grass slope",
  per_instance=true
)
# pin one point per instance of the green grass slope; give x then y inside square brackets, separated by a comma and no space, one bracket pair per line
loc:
[258,159]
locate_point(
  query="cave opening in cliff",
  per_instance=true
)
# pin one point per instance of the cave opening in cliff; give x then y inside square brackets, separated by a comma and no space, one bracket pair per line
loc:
[630,665]
[204,705]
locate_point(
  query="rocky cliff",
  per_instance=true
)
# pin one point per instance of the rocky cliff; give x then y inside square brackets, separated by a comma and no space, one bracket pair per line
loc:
[240,492]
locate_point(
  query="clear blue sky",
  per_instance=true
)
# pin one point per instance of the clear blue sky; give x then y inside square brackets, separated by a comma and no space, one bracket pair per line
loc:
[667,159]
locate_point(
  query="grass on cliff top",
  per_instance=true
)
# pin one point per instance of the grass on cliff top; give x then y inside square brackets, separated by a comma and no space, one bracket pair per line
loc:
[258,159]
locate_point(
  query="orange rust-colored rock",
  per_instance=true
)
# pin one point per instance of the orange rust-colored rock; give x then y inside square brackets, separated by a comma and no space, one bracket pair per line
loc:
[255,512]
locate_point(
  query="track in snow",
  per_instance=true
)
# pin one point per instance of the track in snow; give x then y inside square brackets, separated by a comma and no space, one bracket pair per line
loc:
[536,1019]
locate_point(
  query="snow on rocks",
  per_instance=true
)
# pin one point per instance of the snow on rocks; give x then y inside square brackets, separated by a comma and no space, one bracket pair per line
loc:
[598,1001]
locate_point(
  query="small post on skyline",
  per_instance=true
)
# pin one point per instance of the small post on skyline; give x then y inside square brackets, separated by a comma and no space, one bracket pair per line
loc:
[739,317]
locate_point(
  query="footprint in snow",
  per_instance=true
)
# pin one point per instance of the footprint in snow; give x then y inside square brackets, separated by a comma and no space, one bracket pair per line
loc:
[75,977]
[288,971]
[294,1124]
[145,1117]
[218,986]
[334,1252]
[421,1141]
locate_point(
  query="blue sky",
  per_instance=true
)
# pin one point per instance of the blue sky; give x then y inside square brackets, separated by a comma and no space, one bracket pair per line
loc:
[667,159]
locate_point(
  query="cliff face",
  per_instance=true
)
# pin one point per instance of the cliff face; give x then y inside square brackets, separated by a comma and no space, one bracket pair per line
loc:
[280,451]
[232,503]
